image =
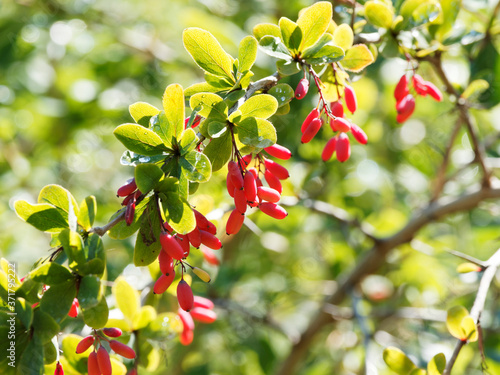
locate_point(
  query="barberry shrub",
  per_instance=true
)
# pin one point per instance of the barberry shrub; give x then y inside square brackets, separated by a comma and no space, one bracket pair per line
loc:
[228,131]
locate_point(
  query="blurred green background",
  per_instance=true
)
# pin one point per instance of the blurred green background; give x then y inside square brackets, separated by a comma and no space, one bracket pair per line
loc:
[70,68]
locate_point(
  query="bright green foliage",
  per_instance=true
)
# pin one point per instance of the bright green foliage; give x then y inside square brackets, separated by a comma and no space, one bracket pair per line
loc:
[437,365]
[461,325]
[142,112]
[379,14]
[398,361]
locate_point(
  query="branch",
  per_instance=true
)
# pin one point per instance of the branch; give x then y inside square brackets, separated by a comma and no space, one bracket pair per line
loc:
[375,258]
[101,231]
[264,84]
[492,266]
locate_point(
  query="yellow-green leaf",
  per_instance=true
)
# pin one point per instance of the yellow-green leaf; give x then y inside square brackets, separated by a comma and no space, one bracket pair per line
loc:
[256,132]
[210,105]
[291,34]
[454,321]
[44,217]
[357,58]
[468,267]
[139,139]
[173,105]
[379,14]
[126,297]
[475,88]
[141,112]
[247,53]
[397,360]
[143,317]
[343,36]
[469,329]
[260,106]
[263,29]
[314,22]
[437,364]
[87,212]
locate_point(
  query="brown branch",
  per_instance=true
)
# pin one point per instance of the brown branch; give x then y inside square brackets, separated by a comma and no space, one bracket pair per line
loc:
[375,258]
[101,231]
[492,266]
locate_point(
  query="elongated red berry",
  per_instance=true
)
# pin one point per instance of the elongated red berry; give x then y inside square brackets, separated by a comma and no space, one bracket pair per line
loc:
[185,295]
[128,188]
[273,181]
[245,160]
[343,147]
[130,212]
[84,344]
[234,222]
[183,241]
[186,337]
[112,332]
[201,220]
[433,91]
[419,85]
[311,130]
[211,228]
[329,149]
[250,187]
[279,152]
[350,99]
[268,194]
[314,114]
[122,349]
[163,282]
[203,302]
[170,245]
[337,109]
[340,124]
[240,200]
[210,240]
[359,134]
[203,315]
[230,186]
[277,169]
[273,210]
[302,88]
[235,174]
[186,319]
[405,108]
[166,262]
[93,365]
[209,256]
[401,89]
[73,311]
[128,199]
[104,361]
[195,237]
[59,369]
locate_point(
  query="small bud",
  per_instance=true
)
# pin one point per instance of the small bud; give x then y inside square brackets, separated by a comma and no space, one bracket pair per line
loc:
[202,274]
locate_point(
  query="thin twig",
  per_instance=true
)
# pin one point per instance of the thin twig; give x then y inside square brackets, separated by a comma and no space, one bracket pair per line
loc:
[101,231]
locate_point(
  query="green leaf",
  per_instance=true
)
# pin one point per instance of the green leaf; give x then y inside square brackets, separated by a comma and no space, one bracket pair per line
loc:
[418,371]
[31,361]
[96,316]
[168,184]
[260,106]
[147,176]
[126,297]
[49,353]
[357,58]
[200,87]
[326,55]
[173,105]
[291,34]
[247,53]
[121,230]
[475,89]
[87,212]
[207,52]
[142,112]
[454,321]
[132,159]
[218,151]
[44,217]
[61,199]
[24,312]
[143,317]
[398,361]
[179,214]
[468,267]
[68,347]
[95,255]
[73,247]
[139,139]
[188,141]
[379,14]
[89,292]
[216,129]
[469,329]
[256,132]
[51,274]
[196,166]
[147,244]
[426,13]
[343,36]
[314,22]
[44,325]
[283,110]
[283,93]
[211,105]
[323,41]
[437,365]
[263,29]
[273,46]
[219,82]
[57,300]
[287,68]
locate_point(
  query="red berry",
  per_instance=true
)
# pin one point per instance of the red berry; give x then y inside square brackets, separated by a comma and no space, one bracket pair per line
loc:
[359,134]
[183,241]
[93,365]
[73,311]
[195,237]
[279,152]
[112,332]
[128,199]
[273,210]
[314,114]
[203,302]
[401,89]
[209,256]
[128,188]
[405,107]
[250,186]
[337,109]
[302,88]
[186,337]
[419,85]
[268,194]
[167,227]
[171,246]
[163,282]
[84,344]
[186,319]
[340,124]
[329,149]
[104,361]
[201,220]
[59,369]
[245,160]
[343,147]
[211,228]
[130,212]
[240,200]
[122,349]
[311,130]
[235,174]
[234,222]
[166,262]
[350,98]
[433,91]
[185,295]
[277,169]
[273,181]
[209,240]
[203,315]
[230,186]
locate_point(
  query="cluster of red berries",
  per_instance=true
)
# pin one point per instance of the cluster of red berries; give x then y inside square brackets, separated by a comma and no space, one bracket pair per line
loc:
[405,101]
[246,188]
[131,193]
[340,143]
[99,362]
[202,311]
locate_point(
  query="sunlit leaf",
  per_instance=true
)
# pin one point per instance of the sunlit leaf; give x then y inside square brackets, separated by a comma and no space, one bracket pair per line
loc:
[139,139]
[142,112]
[247,53]
[261,106]
[398,361]
[379,14]
[343,37]
[313,22]
[437,365]
[357,58]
